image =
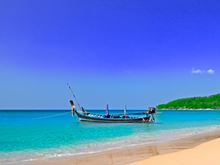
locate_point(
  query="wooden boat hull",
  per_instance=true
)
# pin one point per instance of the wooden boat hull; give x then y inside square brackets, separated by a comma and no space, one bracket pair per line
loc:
[86,118]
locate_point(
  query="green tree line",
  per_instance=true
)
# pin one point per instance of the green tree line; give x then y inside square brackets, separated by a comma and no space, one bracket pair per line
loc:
[208,102]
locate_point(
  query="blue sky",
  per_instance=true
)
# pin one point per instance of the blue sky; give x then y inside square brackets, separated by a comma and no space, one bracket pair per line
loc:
[135,52]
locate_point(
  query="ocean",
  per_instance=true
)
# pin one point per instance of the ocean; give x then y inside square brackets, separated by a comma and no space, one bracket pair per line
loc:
[27,135]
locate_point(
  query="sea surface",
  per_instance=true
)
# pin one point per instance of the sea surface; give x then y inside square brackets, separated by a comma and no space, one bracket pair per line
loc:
[30,135]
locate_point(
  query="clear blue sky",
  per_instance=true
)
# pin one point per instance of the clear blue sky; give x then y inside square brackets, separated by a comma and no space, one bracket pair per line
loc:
[134,52]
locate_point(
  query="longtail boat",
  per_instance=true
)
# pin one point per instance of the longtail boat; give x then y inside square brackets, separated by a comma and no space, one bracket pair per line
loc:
[83,115]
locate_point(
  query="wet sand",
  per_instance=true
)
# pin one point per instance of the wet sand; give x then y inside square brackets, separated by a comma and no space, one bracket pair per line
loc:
[133,154]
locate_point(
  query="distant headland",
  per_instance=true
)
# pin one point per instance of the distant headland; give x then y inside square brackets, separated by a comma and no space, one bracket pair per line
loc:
[193,103]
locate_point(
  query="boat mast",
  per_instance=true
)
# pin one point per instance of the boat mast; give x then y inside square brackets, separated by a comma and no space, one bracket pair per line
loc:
[107,110]
[125,110]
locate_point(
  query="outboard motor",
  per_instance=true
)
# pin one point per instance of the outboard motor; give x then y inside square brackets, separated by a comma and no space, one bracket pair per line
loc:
[73,107]
[151,112]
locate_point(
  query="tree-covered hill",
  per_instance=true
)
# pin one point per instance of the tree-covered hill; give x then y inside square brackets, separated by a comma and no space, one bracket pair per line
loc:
[209,102]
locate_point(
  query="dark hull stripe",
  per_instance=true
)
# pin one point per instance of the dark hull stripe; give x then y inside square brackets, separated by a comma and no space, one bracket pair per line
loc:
[106,121]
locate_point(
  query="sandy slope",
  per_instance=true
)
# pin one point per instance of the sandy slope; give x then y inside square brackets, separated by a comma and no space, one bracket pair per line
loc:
[204,154]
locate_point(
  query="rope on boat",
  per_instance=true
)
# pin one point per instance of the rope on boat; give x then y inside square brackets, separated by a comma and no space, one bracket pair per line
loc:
[51,116]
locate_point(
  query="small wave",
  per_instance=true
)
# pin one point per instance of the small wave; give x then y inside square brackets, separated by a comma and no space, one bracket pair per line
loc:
[162,136]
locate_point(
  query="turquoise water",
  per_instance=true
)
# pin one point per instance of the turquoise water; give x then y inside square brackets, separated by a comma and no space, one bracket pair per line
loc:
[45,134]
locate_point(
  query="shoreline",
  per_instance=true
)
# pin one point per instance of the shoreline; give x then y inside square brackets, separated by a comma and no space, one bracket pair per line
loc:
[133,154]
